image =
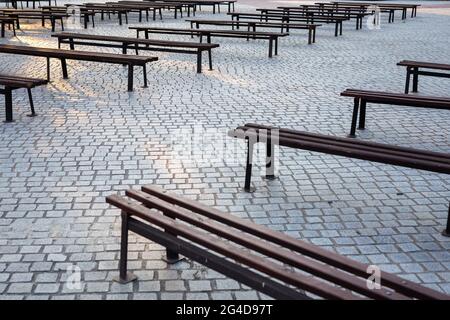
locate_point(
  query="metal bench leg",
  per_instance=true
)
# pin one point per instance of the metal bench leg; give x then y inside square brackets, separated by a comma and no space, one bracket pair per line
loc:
[248,167]
[336,29]
[8,105]
[64,68]
[3,29]
[270,158]
[130,77]
[210,59]
[362,116]
[446,232]
[309,36]
[48,69]
[199,61]
[408,79]
[276,46]
[30,97]
[415,79]
[144,70]
[270,47]
[354,118]
[124,276]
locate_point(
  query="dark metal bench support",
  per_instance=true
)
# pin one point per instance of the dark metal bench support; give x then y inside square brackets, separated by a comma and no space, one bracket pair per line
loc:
[8,104]
[124,275]
[270,158]
[64,69]
[130,77]
[362,115]
[248,167]
[30,97]
[354,117]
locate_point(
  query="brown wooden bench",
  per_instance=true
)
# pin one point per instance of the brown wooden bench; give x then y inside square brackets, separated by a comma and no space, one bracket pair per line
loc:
[287,11]
[11,83]
[413,69]
[263,259]
[290,19]
[272,37]
[251,26]
[362,97]
[351,148]
[125,43]
[7,21]
[29,14]
[130,60]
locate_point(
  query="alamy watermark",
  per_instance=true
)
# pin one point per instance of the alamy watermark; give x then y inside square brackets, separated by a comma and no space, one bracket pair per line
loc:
[374,20]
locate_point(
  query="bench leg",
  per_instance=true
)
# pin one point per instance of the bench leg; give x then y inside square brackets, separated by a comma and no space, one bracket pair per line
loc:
[30,97]
[48,69]
[270,47]
[362,116]
[248,167]
[64,68]
[354,118]
[415,79]
[144,70]
[408,79]
[3,29]
[124,275]
[276,46]
[270,158]
[310,36]
[446,232]
[199,61]
[130,77]
[8,105]
[210,59]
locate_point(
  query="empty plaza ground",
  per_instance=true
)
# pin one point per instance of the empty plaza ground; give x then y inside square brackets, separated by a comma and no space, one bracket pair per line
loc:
[92,138]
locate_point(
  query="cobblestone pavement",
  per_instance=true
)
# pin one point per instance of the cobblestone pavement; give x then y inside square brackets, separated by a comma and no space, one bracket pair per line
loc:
[92,139]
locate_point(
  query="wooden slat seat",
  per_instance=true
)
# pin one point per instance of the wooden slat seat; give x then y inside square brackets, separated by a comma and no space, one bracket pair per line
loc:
[272,37]
[347,147]
[362,97]
[10,83]
[29,14]
[251,25]
[291,19]
[413,68]
[137,44]
[130,60]
[266,260]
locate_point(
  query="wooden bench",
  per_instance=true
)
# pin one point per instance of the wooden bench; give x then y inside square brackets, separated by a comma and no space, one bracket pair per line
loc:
[413,69]
[130,60]
[272,37]
[125,43]
[11,83]
[362,97]
[251,26]
[35,15]
[87,15]
[402,6]
[299,12]
[7,21]
[269,261]
[346,147]
[289,19]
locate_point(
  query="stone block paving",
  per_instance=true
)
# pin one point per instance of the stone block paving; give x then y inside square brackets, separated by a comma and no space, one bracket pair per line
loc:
[92,139]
